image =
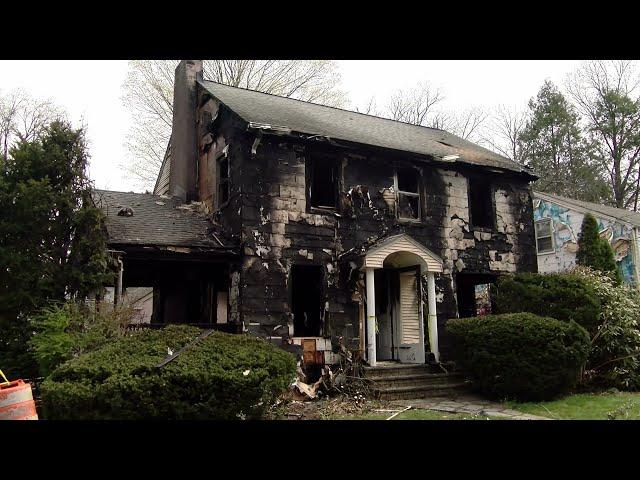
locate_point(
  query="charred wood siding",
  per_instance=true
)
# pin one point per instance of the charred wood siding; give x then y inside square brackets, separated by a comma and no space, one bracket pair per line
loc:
[270,213]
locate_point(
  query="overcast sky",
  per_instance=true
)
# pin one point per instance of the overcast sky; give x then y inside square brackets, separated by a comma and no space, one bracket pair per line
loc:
[90,92]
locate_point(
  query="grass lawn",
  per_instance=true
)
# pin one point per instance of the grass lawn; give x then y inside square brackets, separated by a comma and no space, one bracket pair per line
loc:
[586,406]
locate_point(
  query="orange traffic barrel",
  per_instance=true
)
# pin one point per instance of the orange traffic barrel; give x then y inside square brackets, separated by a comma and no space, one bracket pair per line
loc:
[16,401]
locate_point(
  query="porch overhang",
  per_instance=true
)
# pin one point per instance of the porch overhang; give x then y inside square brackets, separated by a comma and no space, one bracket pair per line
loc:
[401,251]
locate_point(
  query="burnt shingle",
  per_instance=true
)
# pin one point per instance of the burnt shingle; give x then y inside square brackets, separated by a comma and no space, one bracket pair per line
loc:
[338,124]
[157,220]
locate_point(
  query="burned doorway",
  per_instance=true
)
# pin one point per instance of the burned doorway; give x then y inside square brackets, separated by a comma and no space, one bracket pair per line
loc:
[474,294]
[306,300]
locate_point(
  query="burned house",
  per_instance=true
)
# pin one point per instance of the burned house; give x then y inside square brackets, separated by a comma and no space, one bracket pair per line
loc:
[312,225]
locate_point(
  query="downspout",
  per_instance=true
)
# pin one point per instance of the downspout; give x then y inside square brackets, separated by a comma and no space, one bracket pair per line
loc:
[118,293]
[634,252]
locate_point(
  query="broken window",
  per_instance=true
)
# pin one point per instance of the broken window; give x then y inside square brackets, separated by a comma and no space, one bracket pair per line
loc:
[306,300]
[408,194]
[323,187]
[223,179]
[480,203]
[544,237]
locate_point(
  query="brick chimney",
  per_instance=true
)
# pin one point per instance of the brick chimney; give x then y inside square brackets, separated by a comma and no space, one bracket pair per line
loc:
[184,151]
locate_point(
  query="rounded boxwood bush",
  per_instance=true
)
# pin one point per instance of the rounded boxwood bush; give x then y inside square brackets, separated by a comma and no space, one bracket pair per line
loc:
[563,296]
[222,376]
[520,355]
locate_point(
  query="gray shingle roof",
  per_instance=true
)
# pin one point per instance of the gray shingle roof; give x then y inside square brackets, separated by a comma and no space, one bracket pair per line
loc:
[157,220]
[338,124]
[620,214]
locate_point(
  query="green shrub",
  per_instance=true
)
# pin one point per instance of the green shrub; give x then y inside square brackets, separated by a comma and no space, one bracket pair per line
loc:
[614,360]
[66,330]
[520,355]
[562,296]
[220,377]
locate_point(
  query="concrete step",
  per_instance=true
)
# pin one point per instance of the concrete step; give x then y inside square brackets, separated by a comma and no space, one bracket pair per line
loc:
[400,369]
[416,380]
[422,391]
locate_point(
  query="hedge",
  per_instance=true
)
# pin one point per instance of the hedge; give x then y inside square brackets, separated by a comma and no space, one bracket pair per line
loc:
[521,355]
[561,296]
[222,376]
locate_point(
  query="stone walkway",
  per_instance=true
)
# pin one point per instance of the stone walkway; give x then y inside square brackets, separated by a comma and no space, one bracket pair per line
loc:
[467,404]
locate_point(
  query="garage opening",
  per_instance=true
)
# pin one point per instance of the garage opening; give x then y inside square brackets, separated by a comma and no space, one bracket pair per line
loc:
[474,294]
[306,300]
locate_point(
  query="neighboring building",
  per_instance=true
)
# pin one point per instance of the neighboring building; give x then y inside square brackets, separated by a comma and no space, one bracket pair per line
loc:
[558,222]
[314,226]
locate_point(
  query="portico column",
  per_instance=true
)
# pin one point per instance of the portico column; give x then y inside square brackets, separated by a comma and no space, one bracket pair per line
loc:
[371,317]
[433,319]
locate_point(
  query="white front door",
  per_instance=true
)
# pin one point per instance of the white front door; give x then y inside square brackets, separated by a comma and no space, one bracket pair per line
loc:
[410,330]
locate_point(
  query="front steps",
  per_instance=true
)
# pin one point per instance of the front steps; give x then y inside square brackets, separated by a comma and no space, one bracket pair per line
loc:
[397,381]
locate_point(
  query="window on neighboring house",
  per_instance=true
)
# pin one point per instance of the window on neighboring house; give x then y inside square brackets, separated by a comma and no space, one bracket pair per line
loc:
[223,179]
[323,188]
[480,202]
[544,236]
[408,194]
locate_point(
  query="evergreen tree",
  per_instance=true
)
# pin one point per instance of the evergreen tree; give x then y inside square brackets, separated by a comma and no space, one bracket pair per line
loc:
[53,242]
[595,251]
[553,145]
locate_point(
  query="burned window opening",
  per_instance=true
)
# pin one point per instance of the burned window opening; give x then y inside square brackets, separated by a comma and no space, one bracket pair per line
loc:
[323,178]
[480,203]
[223,180]
[306,300]
[544,237]
[408,194]
[474,294]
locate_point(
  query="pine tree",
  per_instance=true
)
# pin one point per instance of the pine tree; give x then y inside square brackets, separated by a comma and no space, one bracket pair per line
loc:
[554,146]
[595,251]
[52,240]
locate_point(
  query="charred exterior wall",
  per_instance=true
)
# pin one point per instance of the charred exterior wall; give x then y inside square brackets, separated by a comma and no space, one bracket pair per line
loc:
[269,211]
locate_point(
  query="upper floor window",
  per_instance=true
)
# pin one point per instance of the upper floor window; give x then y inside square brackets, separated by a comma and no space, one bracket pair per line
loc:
[323,182]
[222,167]
[480,202]
[544,236]
[408,194]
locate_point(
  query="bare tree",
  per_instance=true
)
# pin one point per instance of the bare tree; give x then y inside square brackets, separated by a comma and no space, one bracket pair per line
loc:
[467,124]
[149,97]
[606,93]
[422,105]
[24,118]
[370,108]
[503,131]
[414,105]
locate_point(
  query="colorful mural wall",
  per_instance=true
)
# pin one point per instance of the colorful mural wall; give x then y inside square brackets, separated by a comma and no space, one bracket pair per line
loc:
[566,227]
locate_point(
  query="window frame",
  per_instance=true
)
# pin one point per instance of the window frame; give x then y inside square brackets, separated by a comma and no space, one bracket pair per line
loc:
[399,192]
[553,246]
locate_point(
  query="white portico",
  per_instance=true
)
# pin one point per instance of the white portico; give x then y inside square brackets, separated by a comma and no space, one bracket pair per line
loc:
[394,307]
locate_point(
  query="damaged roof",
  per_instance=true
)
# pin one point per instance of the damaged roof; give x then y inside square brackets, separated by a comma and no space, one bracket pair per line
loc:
[157,220]
[290,115]
[625,216]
